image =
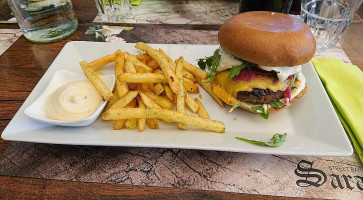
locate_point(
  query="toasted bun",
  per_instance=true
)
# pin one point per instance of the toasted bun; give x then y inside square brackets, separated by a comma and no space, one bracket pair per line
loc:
[268,38]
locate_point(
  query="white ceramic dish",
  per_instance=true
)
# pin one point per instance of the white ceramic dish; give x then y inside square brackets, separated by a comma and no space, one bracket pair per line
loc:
[311,124]
[61,77]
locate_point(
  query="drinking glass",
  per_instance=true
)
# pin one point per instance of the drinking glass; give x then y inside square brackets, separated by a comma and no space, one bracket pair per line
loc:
[44,21]
[328,19]
[113,10]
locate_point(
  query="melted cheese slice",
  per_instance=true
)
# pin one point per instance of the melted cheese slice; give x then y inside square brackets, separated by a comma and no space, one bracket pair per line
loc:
[258,82]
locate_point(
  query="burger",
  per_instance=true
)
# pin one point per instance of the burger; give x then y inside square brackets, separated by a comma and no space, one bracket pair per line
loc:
[258,66]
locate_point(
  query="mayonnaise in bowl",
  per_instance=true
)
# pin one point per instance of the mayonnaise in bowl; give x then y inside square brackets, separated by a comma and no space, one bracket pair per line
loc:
[69,100]
[73,101]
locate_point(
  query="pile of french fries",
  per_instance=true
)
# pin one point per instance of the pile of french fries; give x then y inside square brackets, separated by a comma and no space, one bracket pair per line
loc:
[148,86]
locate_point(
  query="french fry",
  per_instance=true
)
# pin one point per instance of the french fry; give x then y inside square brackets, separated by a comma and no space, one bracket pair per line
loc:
[152,123]
[132,104]
[153,64]
[166,115]
[164,65]
[129,67]
[145,87]
[96,81]
[148,101]
[133,86]
[191,103]
[158,89]
[190,86]
[139,88]
[171,61]
[180,104]
[141,121]
[143,61]
[139,69]
[188,75]
[120,124]
[133,59]
[119,63]
[168,92]
[98,73]
[100,62]
[172,64]
[151,86]
[112,100]
[196,71]
[142,78]
[202,112]
[160,100]
[144,56]
[158,71]
[175,96]
[121,88]
[122,102]
[125,54]
[132,122]
[208,87]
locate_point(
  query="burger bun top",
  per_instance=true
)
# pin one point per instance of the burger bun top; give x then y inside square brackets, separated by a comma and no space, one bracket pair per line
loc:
[268,38]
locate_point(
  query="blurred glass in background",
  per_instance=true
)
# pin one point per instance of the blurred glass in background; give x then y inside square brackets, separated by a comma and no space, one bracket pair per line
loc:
[328,19]
[44,21]
[113,10]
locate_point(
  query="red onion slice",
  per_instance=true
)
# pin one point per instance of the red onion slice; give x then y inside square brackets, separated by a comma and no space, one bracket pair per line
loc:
[287,95]
[246,75]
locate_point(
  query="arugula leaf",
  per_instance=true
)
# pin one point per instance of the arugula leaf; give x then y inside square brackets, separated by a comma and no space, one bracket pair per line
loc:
[277,104]
[202,64]
[235,106]
[237,69]
[216,57]
[211,62]
[259,109]
[276,141]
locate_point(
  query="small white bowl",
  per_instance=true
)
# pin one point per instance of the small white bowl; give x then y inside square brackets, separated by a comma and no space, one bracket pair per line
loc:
[37,109]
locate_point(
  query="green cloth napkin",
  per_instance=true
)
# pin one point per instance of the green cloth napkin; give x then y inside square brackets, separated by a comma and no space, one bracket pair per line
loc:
[135,2]
[344,84]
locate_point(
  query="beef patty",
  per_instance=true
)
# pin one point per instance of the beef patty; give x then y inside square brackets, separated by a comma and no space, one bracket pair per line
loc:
[259,96]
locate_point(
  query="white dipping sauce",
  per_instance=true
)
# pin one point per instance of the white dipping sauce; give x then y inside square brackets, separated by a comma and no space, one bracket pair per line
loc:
[73,101]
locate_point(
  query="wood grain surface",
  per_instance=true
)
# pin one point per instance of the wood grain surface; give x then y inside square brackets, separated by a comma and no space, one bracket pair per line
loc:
[24,63]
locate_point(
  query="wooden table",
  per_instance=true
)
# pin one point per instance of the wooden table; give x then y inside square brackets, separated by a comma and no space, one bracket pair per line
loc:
[24,63]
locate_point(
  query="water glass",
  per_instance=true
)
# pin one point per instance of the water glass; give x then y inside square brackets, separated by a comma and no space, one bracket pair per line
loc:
[44,21]
[113,10]
[328,19]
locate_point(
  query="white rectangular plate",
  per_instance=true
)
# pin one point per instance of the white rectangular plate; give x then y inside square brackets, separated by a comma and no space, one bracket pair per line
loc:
[311,124]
